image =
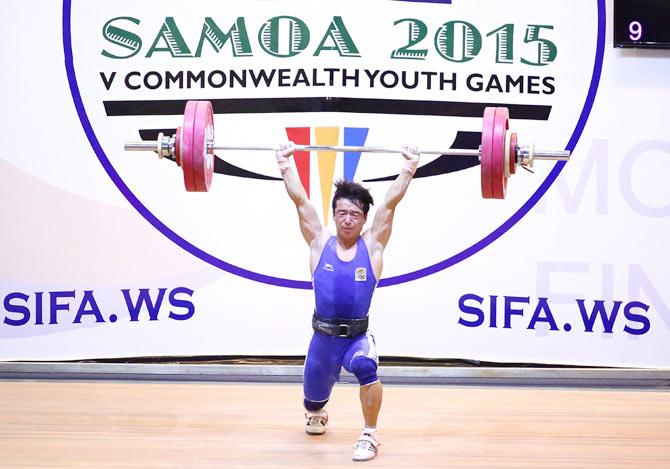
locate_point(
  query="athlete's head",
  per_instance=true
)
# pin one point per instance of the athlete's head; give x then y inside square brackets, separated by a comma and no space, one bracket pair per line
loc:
[355,193]
[351,203]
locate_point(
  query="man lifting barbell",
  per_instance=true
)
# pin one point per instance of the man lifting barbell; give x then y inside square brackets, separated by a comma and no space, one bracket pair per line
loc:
[347,266]
[345,270]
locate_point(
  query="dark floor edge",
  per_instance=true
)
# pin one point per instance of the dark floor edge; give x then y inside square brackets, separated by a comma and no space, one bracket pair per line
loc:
[404,375]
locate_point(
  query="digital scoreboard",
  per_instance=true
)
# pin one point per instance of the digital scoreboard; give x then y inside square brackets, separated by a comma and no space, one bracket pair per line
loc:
[642,23]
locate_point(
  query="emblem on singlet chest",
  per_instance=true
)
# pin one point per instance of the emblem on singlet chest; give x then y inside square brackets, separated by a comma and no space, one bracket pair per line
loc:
[361,274]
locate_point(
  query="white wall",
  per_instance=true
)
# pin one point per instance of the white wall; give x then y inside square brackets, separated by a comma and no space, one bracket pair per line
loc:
[71,238]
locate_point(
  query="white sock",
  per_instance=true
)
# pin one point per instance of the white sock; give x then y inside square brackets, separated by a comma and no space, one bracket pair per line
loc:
[370,430]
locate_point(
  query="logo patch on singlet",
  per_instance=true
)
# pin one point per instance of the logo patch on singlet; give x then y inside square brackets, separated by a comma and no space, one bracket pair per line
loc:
[361,274]
[328,267]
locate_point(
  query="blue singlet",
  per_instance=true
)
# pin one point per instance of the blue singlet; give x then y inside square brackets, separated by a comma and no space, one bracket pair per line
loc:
[343,289]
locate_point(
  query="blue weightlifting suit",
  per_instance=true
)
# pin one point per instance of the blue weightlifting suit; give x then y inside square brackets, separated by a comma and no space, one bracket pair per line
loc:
[342,290]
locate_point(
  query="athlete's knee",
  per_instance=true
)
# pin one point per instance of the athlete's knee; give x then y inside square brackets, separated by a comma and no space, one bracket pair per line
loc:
[313,406]
[365,369]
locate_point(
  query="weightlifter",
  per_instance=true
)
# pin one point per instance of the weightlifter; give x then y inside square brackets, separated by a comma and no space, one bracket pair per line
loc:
[345,269]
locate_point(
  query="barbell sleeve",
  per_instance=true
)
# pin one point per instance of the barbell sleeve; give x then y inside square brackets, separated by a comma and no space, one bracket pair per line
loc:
[144,145]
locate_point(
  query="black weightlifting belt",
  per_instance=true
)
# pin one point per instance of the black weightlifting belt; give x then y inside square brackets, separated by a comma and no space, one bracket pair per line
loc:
[340,327]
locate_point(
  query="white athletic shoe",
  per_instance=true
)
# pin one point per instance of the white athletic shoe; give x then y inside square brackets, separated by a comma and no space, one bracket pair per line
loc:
[316,422]
[365,448]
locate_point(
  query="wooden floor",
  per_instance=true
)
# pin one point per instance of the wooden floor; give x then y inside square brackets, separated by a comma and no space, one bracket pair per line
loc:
[46,424]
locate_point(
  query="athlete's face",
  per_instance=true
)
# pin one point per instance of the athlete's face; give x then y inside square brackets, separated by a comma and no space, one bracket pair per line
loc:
[349,219]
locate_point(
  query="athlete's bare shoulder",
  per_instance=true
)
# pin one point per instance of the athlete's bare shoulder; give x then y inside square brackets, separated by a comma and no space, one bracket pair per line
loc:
[316,248]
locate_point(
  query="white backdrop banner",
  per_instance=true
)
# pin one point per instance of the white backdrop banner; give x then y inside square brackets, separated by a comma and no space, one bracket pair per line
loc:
[105,254]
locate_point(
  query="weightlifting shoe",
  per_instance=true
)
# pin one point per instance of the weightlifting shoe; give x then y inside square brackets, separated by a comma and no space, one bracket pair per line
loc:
[365,448]
[316,422]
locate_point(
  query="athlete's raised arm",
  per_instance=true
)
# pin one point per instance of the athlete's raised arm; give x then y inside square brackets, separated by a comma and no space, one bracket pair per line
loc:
[382,224]
[311,227]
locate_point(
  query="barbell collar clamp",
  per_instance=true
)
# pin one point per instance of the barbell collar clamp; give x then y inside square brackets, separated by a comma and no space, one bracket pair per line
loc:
[526,156]
[165,145]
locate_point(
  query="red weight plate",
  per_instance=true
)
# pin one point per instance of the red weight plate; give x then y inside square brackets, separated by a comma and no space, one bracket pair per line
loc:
[498,178]
[486,152]
[512,155]
[508,156]
[187,147]
[203,158]
[177,146]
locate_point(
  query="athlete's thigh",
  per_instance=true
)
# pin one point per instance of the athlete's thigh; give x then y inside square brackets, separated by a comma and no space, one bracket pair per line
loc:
[322,366]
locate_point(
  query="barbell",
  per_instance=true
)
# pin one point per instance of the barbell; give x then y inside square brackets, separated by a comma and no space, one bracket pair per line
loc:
[192,147]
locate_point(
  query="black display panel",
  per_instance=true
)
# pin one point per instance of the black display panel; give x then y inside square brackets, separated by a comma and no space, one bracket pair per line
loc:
[642,23]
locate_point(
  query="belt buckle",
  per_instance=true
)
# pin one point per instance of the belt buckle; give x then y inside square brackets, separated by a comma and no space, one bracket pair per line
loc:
[345,328]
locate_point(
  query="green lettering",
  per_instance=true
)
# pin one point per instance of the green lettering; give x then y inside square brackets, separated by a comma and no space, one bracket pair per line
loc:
[121,38]
[172,38]
[340,40]
[293,29]
[237,34]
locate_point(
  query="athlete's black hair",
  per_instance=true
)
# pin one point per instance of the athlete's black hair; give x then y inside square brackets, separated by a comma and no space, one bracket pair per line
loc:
[354,192]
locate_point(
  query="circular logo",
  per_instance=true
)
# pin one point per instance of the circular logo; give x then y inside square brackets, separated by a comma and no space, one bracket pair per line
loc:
[379,73]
